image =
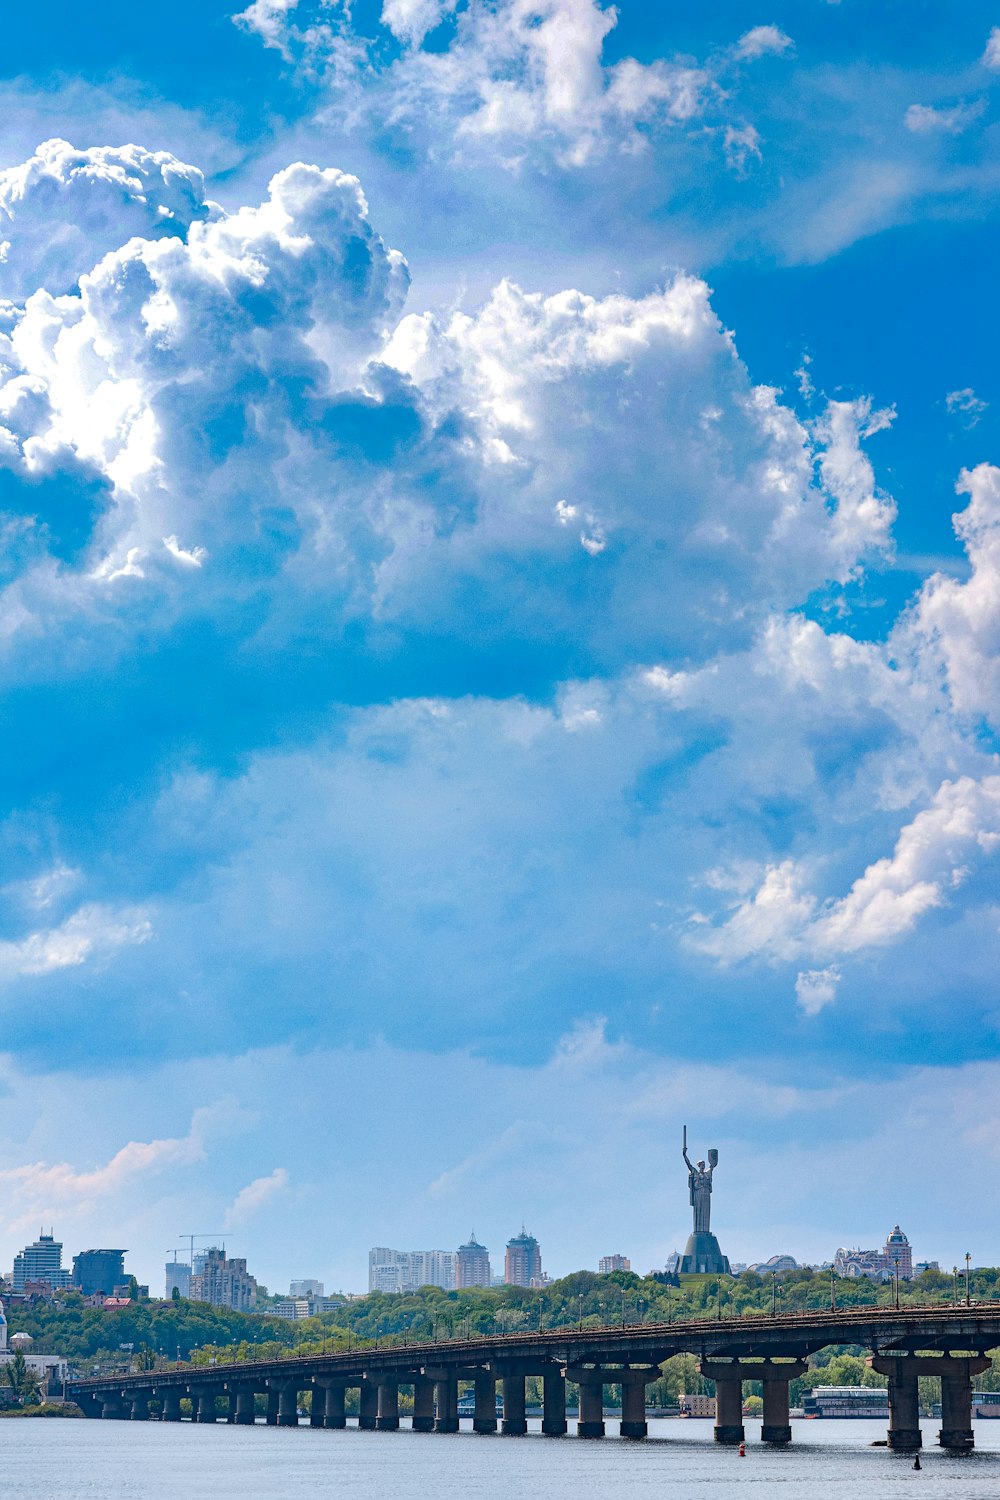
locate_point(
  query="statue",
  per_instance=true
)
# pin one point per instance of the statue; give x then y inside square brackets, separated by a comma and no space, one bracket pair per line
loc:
[702,1253]
[700,1187]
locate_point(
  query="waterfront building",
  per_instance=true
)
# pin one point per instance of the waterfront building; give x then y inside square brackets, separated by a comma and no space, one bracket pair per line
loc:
[899,1253]
[97,1271]
[408,1270]
[523,1260]
[179,1277]
[472,1267]
[609,1263]
[223,1282]
[857,1401]
[696,1405]
[41,1264]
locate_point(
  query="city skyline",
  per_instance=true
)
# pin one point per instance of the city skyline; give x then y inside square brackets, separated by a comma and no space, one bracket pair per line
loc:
[500,625]
[395,1271]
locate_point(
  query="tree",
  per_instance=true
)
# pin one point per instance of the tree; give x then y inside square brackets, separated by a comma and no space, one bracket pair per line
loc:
[22,1380]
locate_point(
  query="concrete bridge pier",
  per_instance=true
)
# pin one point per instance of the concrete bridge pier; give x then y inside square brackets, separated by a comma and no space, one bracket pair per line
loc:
[113,1409]
[334,1407]
[272,1405]
[388,1406]
[203,1402]
[904,1403]
[776,1427]
[554,1422]
[485,1417]
[729,1427]
[634,1423]
[956,1402]
[423,1404]
[590,1423]
[515,1423]
[317,1406]
[139,1411]
[447,1404]
[171,1411]
[368,1405]
[288,1404]
[245,1408]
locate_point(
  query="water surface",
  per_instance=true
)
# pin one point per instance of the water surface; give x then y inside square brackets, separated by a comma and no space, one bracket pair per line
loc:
[89,1460]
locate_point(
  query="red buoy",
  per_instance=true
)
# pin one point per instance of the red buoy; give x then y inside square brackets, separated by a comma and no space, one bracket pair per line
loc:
[743,1450]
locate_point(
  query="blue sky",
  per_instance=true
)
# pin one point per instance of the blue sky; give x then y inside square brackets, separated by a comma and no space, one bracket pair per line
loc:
[499,625]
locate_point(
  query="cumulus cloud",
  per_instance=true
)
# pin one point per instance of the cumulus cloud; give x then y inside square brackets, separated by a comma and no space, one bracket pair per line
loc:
[816,988]
[255,1196]
[759,41]
[515,80]
[956,622]
[63,208]
[991,57]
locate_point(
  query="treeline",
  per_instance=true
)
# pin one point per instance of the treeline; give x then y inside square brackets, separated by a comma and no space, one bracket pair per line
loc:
[152,1331]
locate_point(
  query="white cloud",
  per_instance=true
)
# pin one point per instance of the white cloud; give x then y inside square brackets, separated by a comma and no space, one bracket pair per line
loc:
[93,933]
[741,144]
[411,20]
[956,622]
[41,1190]
[191,558]
[61,210]
[965,405]
[782,920]
[991,57]
[925,119]
[268,19]
[759,41]
[816,988]
[255,1196]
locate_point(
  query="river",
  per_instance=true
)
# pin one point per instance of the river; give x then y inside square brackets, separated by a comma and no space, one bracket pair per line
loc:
[88,1460]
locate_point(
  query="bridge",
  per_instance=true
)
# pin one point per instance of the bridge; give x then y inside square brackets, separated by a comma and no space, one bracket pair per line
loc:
[949,1343]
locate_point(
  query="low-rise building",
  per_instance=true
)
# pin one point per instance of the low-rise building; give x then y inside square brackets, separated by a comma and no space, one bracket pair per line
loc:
[696,1405]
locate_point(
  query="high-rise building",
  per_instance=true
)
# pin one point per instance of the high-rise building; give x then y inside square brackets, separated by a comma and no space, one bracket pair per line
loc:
[407,1270]
[179,1277]
[98,1271]
[899,1253]
[306,1289]
[473,1264]
[40,1263]
[222,1282]
[609,1263]
[523,1260]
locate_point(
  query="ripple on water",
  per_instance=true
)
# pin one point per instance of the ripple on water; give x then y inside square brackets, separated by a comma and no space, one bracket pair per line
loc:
[153,1461]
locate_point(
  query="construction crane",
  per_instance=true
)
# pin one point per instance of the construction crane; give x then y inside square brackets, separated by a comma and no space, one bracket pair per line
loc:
[213,1234]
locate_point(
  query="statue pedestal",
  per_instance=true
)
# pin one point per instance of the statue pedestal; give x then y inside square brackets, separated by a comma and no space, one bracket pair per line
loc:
[703,1256]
